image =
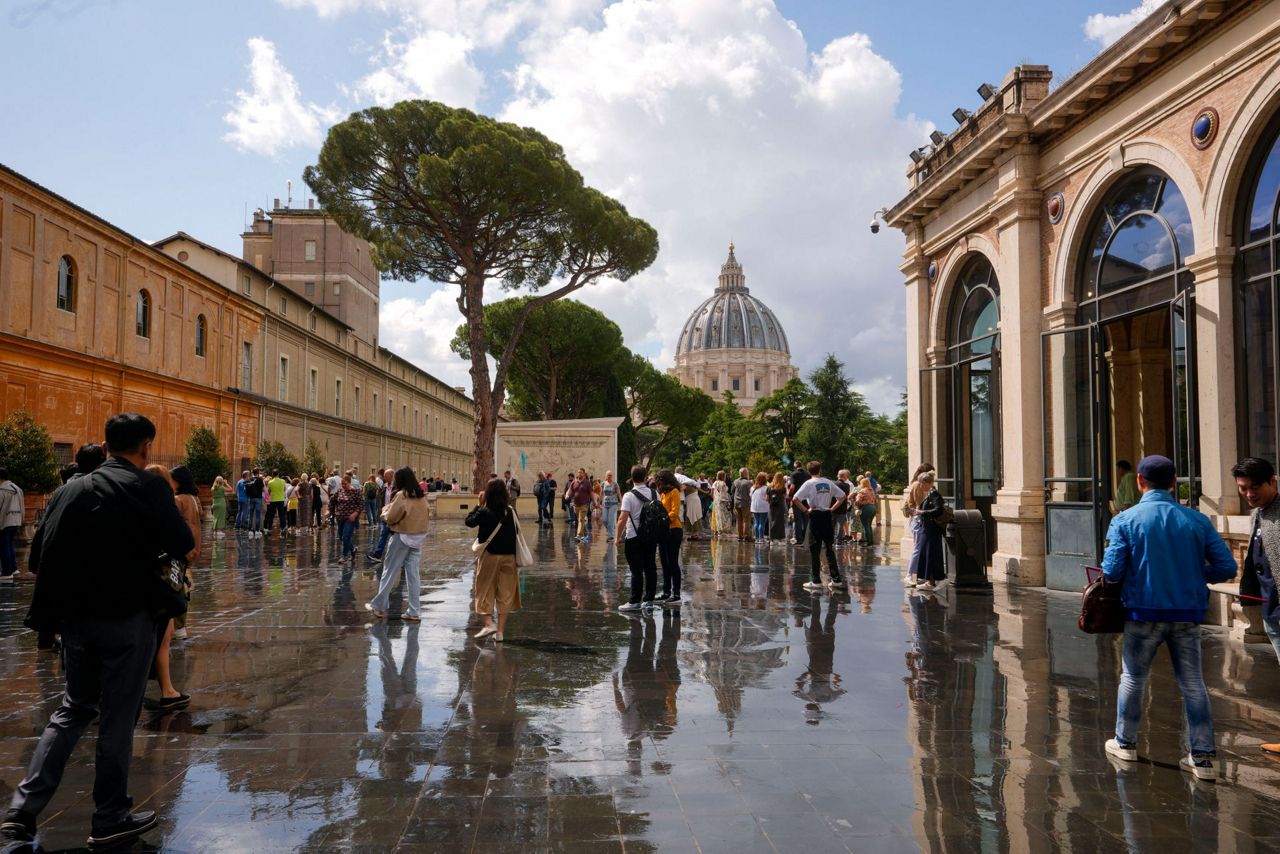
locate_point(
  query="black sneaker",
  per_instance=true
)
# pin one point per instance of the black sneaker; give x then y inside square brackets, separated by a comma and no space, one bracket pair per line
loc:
[136,824]
[18,826]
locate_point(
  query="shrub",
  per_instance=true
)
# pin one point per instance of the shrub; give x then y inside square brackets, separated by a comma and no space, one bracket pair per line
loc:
[273,456]
[204,456]
[313,458]
[26,450]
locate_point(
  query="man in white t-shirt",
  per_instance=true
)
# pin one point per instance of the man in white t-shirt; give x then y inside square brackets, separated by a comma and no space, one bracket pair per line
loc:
[816,498]
[642,556]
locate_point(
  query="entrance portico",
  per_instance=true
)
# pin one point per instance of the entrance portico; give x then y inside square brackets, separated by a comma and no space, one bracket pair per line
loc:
[1123,227]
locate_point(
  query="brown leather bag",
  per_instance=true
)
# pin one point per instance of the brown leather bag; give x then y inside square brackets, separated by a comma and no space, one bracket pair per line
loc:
[1101,611]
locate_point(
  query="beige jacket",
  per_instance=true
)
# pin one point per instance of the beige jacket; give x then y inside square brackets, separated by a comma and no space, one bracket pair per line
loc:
[406,515]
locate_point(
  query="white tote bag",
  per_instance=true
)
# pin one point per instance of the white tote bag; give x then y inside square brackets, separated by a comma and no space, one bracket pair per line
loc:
[524,557]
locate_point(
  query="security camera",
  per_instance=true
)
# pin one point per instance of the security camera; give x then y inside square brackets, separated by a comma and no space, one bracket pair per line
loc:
[875,226]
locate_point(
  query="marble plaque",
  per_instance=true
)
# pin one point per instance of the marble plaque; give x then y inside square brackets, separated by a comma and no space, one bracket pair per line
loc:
[561,447]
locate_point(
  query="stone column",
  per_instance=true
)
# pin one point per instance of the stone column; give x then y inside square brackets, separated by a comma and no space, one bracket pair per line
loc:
[1216,380]
[915,270]
[1019,506]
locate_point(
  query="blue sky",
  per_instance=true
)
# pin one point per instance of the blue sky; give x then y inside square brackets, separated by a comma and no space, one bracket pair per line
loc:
[124,104]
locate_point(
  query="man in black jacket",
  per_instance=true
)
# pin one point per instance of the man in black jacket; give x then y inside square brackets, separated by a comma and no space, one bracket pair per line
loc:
[96,554]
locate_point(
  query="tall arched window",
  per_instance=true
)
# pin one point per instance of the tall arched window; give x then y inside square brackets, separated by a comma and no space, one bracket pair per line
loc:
[1258,224]
[142,315]
[1138,244]
[66,283]
[201,331]
[973,347]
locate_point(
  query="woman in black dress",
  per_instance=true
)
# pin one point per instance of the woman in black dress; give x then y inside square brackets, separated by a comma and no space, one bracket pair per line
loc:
[928,562]
[777,494]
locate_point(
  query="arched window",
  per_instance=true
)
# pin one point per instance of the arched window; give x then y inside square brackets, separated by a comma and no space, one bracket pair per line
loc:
[142,315]
[66,283]
[200,334]
[1258,225]
[975,311]
[1137,248]
[973,347]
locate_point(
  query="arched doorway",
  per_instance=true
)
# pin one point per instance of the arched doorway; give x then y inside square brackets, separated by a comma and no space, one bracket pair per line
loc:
[1258,298]
[1119,385]
[965,394]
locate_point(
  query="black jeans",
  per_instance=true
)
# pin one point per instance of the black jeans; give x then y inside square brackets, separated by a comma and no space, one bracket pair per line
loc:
[669,552]
[822,533]
[801,525]
[643,563]
[274,509]
[106,664]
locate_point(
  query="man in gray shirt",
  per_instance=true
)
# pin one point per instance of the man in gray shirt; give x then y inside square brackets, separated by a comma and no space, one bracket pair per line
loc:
[741,491]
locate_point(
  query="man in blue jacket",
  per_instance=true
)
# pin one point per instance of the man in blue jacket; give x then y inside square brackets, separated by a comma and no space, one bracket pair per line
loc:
[1164,554]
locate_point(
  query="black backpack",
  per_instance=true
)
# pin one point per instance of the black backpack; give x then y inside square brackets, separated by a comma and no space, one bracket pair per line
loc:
[654,524]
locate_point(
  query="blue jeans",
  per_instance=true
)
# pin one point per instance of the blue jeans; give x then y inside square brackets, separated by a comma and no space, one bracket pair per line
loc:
[371,510]
[1141,640]
[381,548]
[760,525]
[610,520]
[1273,632]
[347,530]
[400,557]
[242,511]
[254,518]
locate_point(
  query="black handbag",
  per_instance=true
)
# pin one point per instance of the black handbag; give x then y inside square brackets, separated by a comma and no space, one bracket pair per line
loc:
[1101,609]
[169,587]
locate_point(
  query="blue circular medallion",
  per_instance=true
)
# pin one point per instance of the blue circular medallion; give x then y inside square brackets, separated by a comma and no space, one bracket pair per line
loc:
[1204,128]
[933,269]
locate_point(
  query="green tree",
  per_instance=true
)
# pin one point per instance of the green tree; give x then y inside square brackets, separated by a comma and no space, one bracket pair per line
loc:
[204,456]
[785,412]
[313,458]
[26,451]
[463,199]
[727,439]
[274,456]
[839,414]
[660,407]
[563,362]
[615,403]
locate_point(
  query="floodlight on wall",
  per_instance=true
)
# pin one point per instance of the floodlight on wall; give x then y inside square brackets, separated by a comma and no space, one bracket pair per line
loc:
[916,156]
[937,137]
[986,91]
[961,115]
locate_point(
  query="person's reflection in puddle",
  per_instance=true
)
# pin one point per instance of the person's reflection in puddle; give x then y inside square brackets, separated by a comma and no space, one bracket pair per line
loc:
[609,576]
[819,684]
[401,706]
[644,691]
[864,587]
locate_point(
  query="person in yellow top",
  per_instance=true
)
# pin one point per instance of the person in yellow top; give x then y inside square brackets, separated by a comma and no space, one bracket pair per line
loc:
[670,494]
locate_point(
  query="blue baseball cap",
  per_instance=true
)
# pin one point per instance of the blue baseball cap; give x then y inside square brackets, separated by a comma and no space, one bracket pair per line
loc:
[1158,471]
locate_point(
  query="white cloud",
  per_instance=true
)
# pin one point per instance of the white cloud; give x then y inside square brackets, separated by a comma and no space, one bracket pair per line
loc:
[420,330]
[272,115]
[714,122]
[1107,29]
[433,64]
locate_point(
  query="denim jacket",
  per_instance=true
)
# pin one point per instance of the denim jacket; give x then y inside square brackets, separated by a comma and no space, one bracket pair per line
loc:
[1164,554]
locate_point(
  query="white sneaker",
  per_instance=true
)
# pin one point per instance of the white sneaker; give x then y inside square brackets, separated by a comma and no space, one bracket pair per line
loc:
[181,633]
[1202,768]
[909,582]
[1128,754]
[630,606]
[812,585]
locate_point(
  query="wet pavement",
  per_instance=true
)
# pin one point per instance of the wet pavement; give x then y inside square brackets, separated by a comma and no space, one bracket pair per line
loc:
[757,717]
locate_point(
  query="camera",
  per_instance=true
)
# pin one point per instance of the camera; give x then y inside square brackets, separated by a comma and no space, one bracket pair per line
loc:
[875,226]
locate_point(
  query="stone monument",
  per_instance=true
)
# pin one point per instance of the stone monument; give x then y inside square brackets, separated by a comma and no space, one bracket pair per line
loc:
[561,447]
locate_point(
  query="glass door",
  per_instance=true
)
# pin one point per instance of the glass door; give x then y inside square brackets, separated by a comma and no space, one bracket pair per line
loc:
[1186,444]
[938,390]
[1073,387]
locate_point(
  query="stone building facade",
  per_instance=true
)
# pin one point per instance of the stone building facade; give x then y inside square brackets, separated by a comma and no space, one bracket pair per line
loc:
[733,343]
[94,321]
[1090,277]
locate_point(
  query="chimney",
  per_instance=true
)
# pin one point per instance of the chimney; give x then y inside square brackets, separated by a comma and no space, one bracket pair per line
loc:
[460,389]
[275,204]
[311,204]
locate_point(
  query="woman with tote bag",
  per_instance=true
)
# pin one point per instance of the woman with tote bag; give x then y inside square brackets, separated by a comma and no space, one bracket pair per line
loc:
[497,579]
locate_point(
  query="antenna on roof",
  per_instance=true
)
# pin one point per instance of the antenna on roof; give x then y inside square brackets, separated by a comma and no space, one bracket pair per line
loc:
[288,186]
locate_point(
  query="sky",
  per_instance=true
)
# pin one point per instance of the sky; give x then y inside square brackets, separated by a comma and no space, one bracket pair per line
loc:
[779,125]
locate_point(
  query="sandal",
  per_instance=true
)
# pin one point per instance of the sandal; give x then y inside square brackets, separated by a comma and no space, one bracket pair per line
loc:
[408,618]
[368,606]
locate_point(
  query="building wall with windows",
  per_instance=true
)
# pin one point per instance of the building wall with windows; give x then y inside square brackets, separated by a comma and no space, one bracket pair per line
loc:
[1090,276]
[94,321]
[315,378]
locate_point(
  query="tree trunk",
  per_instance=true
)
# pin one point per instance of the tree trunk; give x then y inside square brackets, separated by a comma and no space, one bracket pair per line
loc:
[482,455]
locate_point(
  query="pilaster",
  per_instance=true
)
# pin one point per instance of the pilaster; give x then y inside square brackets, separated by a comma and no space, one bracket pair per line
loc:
[1216,379]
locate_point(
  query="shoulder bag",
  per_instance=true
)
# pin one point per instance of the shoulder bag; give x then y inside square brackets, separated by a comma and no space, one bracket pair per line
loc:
[524,557]
[479,547]
[1101,610]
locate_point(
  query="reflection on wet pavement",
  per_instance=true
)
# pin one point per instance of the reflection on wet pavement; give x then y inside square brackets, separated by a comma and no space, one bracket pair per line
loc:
[758,717]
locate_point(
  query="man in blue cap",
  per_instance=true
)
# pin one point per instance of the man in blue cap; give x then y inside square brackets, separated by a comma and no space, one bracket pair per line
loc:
[1164,554]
